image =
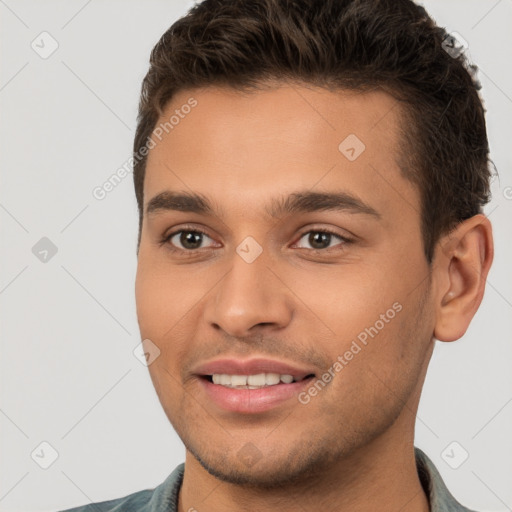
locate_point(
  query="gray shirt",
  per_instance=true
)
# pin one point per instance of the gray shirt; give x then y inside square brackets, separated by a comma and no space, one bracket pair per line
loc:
[164,498]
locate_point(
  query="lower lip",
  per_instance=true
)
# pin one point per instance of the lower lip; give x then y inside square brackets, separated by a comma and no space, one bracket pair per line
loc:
[252,400]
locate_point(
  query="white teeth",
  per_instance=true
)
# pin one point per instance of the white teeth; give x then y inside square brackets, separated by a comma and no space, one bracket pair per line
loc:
[287,379]
[256,380]
[239,380]
[251,381]
[272,379]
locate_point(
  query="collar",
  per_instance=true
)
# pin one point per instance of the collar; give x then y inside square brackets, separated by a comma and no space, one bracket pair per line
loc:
[440,498]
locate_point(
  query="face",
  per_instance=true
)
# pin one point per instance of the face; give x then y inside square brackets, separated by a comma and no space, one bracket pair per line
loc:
[296,251]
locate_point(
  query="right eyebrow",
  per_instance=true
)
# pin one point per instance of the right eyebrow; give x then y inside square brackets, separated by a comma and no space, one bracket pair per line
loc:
[179,201]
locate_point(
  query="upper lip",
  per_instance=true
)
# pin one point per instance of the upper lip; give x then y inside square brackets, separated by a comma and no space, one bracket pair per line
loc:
[252,367]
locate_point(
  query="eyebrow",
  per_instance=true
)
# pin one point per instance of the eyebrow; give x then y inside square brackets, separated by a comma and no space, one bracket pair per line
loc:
[297,202]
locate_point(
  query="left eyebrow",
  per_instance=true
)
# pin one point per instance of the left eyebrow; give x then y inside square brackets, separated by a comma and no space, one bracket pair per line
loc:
[303,202]
[297,202]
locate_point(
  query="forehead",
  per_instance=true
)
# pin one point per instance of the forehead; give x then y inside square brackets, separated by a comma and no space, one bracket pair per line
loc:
[242,148]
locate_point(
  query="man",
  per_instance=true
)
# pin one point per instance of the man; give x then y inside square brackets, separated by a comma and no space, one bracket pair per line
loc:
[310,178]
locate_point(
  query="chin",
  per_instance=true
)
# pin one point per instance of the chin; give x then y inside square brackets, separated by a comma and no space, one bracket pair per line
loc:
[251,468]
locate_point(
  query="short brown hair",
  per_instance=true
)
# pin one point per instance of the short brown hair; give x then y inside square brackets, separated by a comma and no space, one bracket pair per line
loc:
[339,44]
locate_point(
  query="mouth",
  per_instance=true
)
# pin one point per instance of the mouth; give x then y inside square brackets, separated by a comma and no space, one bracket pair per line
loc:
[254,381]
[251,385]
[251,394]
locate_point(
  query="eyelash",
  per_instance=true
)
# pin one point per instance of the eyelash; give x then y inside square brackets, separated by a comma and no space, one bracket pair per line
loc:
[165,240]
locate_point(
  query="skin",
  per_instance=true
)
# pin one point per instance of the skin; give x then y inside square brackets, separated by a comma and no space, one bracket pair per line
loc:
[351,446]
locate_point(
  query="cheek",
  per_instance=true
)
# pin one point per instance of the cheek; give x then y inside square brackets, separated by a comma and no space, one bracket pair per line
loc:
[372,317]
[347,300]
[157,292]
[166,298]
[157,281]
[379,364]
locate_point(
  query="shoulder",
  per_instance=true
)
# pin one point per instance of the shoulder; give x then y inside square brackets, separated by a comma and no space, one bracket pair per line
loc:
[440,498]
[136,501]
[147,500]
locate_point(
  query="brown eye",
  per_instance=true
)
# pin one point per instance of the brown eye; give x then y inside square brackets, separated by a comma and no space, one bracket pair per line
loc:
[320,240]
[187,239]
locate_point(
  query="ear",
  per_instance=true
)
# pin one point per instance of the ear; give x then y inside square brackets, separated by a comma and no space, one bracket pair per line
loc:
[460,266]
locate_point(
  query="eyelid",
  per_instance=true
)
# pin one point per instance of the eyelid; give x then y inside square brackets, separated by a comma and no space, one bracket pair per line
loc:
[179,229]
[343,233]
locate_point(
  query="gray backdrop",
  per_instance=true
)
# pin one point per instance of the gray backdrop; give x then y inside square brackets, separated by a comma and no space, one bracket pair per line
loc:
[69,85]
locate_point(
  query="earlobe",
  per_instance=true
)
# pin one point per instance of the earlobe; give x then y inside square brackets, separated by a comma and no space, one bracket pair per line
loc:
[462,263]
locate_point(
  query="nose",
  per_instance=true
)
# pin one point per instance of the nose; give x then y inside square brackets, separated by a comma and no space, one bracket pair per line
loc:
[250,297]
